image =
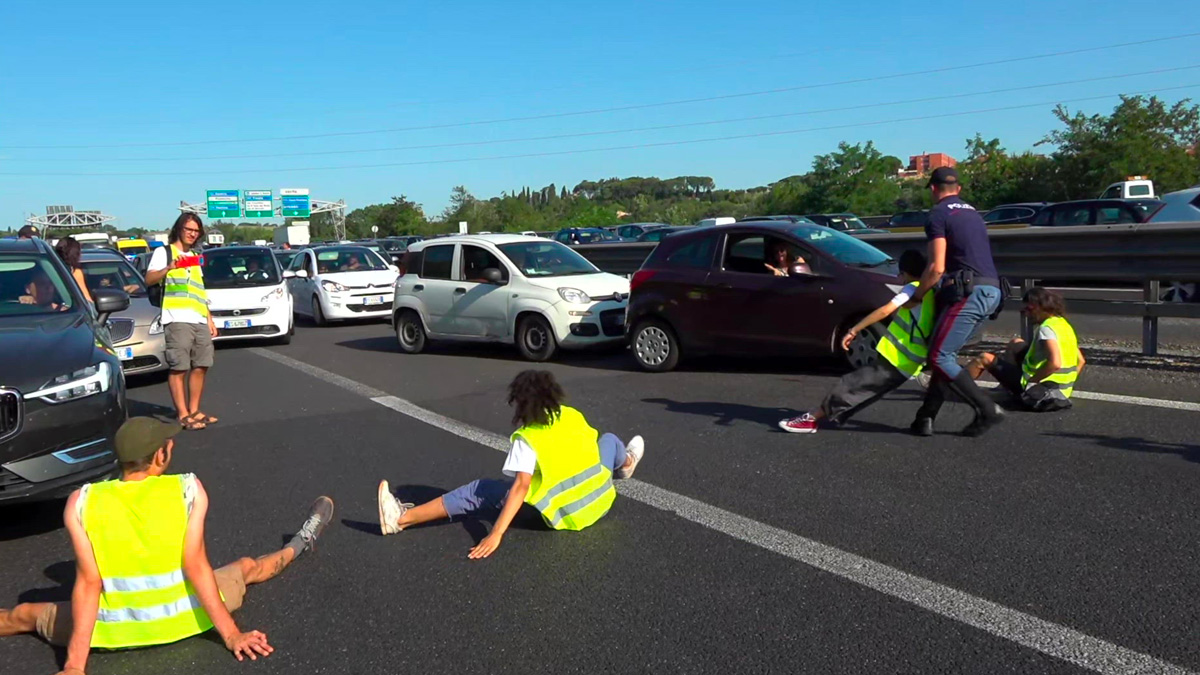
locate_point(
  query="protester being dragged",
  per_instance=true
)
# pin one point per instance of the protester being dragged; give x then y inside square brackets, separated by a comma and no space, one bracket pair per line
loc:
[142,574]
[557,463]
[69,251]
[902,350]
[1041,373]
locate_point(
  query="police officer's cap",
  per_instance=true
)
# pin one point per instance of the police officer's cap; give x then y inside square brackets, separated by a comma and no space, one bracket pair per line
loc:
[943,175]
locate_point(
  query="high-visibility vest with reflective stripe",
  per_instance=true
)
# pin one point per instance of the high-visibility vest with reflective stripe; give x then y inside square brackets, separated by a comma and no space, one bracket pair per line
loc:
[905,345]
[183,288]
[137,529]
[571,487]
[1068,347]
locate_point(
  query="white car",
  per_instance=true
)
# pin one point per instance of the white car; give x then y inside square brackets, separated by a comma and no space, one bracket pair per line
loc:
[536,293]
[247,294]
[333,283]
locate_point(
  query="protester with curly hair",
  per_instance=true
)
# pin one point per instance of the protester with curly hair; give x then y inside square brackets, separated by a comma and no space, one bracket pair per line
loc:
[69,251]
[557,464]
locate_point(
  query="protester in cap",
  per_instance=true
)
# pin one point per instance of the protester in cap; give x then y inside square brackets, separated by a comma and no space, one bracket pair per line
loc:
[557,463]
[28,232]
[186,321]
[1041,372]
[69,251]
[142,572]
[960,257]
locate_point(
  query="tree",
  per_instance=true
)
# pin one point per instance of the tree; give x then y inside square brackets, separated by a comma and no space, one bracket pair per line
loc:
[991,176]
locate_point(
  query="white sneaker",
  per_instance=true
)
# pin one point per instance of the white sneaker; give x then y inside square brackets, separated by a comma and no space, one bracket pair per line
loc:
[636,448]
[390,510]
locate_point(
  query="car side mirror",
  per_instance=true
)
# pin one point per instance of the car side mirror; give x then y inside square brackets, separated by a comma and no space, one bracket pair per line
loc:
[801,270]
[288,274]
[109,301]
[302,274]
[394,269]
[493,276]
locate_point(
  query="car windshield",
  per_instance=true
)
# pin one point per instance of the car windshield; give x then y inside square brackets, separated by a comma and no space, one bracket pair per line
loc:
[95,244]
[116,274]
[843,247]
[31,285]
[234,268]
[844,222]
[392,245]
[348,259]
[285,257]
[134,250]
[546,259]
[589,236]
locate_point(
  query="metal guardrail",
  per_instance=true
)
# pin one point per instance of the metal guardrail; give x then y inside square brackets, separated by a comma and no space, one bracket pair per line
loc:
[1144,253]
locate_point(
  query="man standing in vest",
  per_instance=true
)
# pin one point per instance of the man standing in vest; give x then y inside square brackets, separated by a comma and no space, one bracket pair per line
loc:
[1041,372]
[142,572]
[960,257]
[186,320]
[903,350]
[558,463]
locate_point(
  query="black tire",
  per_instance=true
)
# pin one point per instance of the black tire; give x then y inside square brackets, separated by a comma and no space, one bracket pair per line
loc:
[286,338]
[862,348]
[318,316]
[654,346]
[535,339]
[410,333]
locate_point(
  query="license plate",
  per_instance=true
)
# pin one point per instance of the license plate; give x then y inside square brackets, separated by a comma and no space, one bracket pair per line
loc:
[373,300]
[237,323]
[125,353]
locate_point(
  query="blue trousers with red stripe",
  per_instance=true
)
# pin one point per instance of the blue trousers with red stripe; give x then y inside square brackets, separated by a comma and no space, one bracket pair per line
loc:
[958,324]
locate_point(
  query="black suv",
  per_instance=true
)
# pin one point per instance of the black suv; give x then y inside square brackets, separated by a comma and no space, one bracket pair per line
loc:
[62,391]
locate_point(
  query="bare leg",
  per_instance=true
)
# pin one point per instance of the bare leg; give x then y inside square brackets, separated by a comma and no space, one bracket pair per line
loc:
[175,382]
[196,388]
[425,513]
[264,568]
[21,619]
[979,364]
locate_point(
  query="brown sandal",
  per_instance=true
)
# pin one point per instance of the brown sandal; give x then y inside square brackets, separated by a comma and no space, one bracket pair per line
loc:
[190,424]
[205,418]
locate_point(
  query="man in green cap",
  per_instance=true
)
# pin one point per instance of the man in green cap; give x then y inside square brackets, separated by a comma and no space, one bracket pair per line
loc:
[142,572]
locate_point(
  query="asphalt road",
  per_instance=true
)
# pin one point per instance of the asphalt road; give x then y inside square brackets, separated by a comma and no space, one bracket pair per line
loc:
[1086,521]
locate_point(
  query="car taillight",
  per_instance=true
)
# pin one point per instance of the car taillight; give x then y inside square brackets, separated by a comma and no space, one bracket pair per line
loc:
[640,277]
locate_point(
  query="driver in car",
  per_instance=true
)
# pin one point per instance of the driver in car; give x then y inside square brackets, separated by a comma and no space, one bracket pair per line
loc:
[778,261]
[40,291]
[351,265]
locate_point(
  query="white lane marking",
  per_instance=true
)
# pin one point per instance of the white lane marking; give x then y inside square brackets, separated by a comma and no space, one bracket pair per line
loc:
[1118,398]
[1029,631]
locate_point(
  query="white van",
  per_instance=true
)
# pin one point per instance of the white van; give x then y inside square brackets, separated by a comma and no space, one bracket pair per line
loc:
[710,222]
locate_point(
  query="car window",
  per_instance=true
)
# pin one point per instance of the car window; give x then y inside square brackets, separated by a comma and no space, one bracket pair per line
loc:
[476,259]
[844,248]
[232,268]
[546,259]
[1044,217]
[348,259]
[437,261]
[695,254]
[31,285]
[1113,215]
[1139,190]
[1077,215]
[746,253]
[1113,192]
[654,235]
[113,274]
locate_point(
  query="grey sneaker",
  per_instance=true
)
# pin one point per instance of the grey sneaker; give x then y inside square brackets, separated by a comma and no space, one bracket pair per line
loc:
[390,509]
[319,516]
[636,448]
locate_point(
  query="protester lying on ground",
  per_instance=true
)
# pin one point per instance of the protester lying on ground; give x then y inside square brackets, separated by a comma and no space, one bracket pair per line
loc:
[903,351]
[556,464]
[1042,374]
[142,572]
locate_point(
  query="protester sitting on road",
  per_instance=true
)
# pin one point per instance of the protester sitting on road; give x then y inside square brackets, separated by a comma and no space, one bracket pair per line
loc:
[1042,374]
[778,261]
[142,572]
[40,291]
[69,251]
[903,351]
[556,464]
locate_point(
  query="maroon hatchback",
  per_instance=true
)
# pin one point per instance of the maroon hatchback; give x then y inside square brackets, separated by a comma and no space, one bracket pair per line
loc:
[761,288]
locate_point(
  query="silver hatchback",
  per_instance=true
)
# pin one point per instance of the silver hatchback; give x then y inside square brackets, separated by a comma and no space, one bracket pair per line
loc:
[137,332]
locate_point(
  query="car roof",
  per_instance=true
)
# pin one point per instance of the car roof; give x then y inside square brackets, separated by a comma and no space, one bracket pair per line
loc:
[94,254]
[493,239]
[246,247]
[21,246]
[1102,202]
[1030,205]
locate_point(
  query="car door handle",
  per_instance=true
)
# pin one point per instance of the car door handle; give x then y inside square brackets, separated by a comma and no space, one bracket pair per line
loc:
[419,287]
[460,290]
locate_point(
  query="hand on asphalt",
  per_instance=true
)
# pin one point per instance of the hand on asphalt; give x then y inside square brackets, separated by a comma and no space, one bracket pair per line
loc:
[250,644]
[486,547]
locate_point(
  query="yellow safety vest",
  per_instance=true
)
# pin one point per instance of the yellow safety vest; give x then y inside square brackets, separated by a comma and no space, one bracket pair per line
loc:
[571,487]
[184,288]
[1068,346]
[137,529]
[905,345]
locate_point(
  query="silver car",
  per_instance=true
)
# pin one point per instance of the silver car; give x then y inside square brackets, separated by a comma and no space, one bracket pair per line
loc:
[137,332]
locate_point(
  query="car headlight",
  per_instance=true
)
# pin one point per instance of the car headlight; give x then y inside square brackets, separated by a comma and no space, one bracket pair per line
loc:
[276,294]
[574,295]
[76,385]
[156,327]
[332,286]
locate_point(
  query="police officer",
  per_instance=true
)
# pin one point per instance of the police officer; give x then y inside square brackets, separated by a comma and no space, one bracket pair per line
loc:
[960,256]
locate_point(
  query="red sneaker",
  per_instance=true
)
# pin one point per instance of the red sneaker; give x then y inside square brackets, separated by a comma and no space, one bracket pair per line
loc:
[804,424]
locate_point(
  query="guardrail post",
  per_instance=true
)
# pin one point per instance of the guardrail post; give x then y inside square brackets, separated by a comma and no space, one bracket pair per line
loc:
[1150,323]
[1026,325]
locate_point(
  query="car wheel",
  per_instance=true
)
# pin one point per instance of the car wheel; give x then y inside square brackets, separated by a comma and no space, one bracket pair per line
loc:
[410,334]
[655,346]
[535,339]
[286,337]
[317,315]
[862,348]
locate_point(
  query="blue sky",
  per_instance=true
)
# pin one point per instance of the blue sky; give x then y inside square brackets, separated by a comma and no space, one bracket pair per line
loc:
[117,73]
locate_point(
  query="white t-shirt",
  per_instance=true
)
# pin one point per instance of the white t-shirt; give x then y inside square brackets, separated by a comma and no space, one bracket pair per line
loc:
[521,459]
[905,295]
[1045,332]
[158,261]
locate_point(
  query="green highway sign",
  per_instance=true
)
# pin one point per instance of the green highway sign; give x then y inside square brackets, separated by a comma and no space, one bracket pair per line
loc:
[224,204]
[259,204]
[294,202]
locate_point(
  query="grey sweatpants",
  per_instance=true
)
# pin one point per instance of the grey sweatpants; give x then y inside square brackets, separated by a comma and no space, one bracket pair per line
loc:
[860,389]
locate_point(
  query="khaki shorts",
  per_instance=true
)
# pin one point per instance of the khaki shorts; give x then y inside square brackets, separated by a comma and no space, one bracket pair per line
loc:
[55,623]
[189,345]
